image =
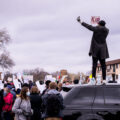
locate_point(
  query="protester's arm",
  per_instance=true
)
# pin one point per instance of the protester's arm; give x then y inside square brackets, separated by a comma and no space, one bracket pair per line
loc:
[90,27]
[16,107]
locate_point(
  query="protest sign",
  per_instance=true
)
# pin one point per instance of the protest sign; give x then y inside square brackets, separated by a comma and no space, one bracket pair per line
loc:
[48,77]
[16,83]
[40,87]
[27,78]
[95,19]
[1,85]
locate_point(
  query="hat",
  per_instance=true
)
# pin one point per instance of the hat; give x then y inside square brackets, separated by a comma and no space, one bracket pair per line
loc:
[9,87]
[102,22]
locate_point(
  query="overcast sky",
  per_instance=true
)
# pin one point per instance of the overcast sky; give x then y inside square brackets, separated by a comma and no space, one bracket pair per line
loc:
[45,33]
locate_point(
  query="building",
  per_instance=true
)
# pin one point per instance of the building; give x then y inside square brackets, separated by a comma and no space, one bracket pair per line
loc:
[112,69]
[63,72]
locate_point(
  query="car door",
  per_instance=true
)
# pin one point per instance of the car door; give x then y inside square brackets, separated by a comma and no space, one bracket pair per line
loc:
[107,101]
[98,104]
[112,98]
[79,100]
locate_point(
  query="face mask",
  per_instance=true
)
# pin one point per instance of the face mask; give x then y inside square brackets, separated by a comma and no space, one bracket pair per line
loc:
[5,93]
[28,93]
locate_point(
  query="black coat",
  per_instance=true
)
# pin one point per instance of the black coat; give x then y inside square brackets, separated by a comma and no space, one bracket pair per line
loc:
[36,102]
[98,46]
[1,102]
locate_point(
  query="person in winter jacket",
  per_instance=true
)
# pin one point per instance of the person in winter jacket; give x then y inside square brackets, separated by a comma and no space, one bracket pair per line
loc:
[12,92]
[22,105]
[8,102]
[36,101]
[52,103]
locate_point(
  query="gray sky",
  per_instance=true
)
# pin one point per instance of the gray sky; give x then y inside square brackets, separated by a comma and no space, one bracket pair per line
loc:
[45,33]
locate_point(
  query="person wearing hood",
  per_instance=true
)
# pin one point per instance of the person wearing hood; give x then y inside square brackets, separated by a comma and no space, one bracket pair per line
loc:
[52,103]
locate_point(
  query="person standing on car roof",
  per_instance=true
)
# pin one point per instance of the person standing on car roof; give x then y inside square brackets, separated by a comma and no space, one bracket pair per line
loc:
[98,49]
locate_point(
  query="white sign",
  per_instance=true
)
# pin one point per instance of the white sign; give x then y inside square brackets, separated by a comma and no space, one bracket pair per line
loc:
[17,84]
[19,76]
[48,77]
[53,79]
[27,78]
[2,76]
[1,85]
[9,79]
[40,87]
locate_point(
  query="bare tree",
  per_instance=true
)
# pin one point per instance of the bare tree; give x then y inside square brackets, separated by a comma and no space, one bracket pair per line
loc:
[5,61]
[38,74]
[4,38]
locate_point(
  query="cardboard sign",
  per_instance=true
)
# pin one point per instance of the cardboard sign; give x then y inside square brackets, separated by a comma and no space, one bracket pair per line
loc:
[95,19]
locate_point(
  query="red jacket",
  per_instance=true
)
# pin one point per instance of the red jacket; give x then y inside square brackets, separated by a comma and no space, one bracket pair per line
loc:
[8,102]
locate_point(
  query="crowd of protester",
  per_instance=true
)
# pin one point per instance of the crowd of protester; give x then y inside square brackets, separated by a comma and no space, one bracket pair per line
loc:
[28,103]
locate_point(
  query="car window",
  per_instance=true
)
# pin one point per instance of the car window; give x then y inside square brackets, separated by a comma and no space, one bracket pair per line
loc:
[112,96]
[80,96]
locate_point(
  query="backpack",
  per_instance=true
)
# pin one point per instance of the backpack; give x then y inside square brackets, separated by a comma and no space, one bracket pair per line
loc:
[53,105]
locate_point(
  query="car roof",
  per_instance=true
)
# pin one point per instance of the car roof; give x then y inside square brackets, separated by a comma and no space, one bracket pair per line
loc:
[86,85]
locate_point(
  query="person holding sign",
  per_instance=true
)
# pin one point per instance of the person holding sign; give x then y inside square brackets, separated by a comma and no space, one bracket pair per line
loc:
[98,48]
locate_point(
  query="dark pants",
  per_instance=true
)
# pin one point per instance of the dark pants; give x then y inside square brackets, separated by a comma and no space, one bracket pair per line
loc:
[94,66]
